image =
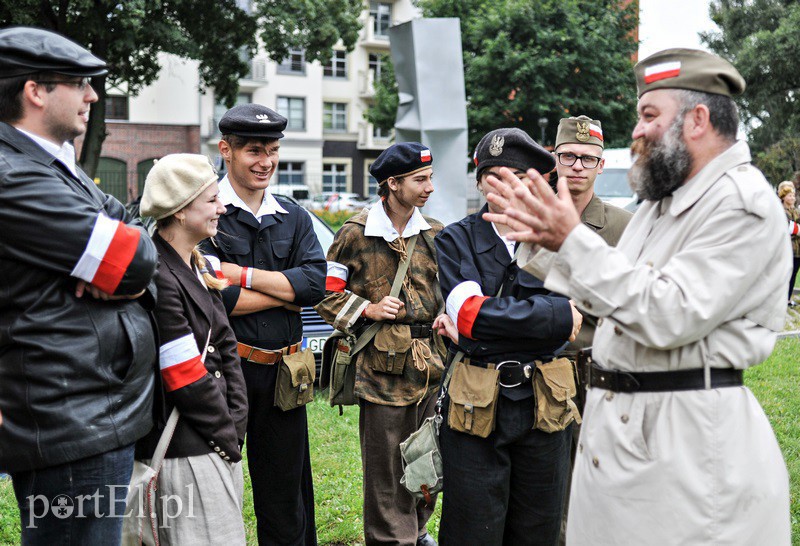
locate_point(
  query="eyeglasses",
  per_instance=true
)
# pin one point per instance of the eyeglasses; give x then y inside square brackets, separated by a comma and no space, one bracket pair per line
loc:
[81,84]
[568,159]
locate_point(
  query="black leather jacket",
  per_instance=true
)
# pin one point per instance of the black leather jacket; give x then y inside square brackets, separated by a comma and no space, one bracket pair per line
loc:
[76,374]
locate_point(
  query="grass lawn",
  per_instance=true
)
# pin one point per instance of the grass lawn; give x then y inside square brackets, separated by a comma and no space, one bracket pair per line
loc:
[337,464]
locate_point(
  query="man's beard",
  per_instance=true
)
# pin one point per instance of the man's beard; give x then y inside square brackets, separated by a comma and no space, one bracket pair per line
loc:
[662,166]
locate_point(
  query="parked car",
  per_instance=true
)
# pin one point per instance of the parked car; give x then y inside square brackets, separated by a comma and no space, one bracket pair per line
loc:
[612,185]
[336,201]
[315,329]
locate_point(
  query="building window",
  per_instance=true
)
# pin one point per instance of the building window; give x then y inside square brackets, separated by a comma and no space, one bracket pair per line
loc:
[338,65]
[294,110]
[334,116]
[117,107]
[376,62]
[334,177]
[379,134]
[381,13]
[294,63]
[291,172]
[372,182]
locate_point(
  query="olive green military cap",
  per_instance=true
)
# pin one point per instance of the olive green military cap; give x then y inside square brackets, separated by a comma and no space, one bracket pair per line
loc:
[690,69]
[579,130]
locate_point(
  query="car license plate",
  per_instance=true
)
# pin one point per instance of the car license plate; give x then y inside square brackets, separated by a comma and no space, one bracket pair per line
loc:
[314,343]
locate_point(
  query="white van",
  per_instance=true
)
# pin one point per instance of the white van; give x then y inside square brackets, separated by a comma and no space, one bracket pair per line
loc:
[612,185]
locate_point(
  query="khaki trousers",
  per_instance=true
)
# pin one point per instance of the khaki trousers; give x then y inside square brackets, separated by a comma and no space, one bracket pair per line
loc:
[391,515]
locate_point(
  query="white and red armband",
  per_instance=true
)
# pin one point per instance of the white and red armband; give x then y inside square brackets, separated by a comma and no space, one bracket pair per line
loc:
[108,253]
[463,305]
[180,363]
[336,280]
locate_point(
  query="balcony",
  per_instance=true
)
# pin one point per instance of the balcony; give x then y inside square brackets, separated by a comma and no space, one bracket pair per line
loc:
[367,139]
[366,84]
[370,39]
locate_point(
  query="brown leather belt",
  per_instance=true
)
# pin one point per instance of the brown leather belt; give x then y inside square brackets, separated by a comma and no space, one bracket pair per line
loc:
[263,356]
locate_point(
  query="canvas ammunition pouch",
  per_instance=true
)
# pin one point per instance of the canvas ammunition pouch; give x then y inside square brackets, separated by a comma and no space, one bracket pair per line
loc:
[391,349]
[294,386]
[338,373]
[422,461]
[473,394]
[553,390]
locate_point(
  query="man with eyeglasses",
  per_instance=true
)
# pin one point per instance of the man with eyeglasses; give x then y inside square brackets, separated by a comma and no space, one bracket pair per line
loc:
[579,153]
[77,346]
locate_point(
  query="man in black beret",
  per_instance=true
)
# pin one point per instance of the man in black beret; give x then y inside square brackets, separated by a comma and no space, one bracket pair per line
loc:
[78,351]
[506,487]
[268,251]
[398,372]
[674,449]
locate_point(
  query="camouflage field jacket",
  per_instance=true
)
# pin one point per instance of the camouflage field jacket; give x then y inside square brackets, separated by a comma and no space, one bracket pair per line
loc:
[371,264]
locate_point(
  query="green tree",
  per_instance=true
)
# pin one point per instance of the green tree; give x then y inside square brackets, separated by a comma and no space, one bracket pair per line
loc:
[527,60]
[383,111]
[762,39]
[219,34]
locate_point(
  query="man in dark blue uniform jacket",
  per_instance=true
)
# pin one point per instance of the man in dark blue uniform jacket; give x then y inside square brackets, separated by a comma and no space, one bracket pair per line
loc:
[507,488]
[268,251]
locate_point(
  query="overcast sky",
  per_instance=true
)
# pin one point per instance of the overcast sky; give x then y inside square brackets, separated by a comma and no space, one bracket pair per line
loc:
[672,23]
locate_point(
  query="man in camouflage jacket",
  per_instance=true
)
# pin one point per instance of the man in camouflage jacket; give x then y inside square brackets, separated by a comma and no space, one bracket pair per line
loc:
[396,390]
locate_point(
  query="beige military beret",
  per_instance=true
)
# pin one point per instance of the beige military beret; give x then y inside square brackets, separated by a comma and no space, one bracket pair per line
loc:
[174,182]
[579,130]
[688,69]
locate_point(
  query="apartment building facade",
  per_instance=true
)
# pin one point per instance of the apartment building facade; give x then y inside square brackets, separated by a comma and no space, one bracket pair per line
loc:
[328,145]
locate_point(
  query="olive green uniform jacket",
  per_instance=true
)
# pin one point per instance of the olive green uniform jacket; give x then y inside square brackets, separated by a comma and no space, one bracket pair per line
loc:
[371,265]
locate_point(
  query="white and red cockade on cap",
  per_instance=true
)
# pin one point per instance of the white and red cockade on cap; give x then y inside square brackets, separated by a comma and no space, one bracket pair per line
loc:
[596,131]
[662,71]
[425,155]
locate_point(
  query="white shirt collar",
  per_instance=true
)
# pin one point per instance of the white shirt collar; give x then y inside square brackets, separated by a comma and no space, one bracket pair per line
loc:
[269,205]
[509,244]
[64,153]
[379,225]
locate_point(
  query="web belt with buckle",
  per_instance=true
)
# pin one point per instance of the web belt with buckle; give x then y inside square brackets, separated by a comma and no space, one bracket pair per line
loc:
[264,356]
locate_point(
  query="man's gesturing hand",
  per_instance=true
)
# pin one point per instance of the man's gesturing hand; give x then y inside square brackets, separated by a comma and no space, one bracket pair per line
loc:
[532,210]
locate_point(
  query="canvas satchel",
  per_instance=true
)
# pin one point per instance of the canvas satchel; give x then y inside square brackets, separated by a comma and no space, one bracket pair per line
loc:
[140,524]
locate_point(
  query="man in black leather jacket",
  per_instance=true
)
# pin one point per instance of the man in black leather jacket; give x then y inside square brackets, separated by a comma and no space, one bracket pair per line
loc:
[77,346]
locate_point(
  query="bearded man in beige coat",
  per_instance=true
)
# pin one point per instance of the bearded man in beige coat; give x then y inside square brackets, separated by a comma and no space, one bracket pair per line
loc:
[674,449]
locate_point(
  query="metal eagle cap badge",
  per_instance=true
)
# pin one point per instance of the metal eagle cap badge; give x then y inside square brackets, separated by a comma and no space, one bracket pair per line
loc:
[496,146]
[583,131]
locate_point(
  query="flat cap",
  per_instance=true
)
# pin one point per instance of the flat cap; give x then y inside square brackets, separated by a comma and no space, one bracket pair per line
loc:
[511,148]
[579,130]
[690,69]
[175,181]
[252,120]
[401,159]
[26,50]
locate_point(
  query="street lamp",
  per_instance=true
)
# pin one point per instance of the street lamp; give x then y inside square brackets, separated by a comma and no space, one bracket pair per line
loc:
[542,125]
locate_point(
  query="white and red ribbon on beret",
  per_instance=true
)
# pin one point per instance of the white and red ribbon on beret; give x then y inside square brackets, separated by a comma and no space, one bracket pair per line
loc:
[662,71]
[336,280]
[425,156]
[108,254]
[180,362]
[463,305]
[596,131]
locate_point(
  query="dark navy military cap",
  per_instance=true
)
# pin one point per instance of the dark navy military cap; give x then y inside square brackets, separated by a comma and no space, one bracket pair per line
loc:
[401,160]
[26,50]
[512,148]
[252,120]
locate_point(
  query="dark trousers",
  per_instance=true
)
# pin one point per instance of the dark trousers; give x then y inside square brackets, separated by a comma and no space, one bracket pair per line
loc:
[795,268]
[279,463]
[505,489]
[73,503]
[391,514]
